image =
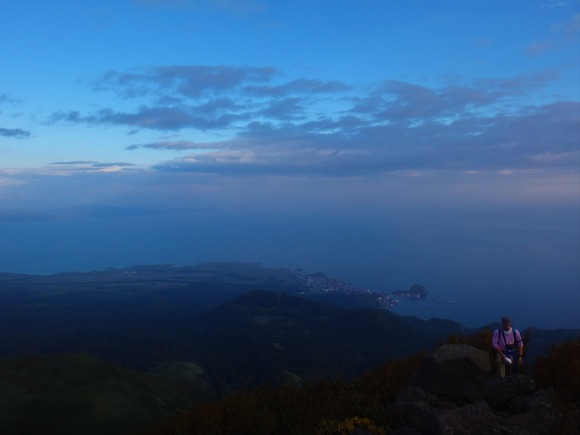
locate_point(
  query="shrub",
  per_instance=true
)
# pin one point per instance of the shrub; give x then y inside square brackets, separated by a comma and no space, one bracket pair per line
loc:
[560,369]
[480,340]
[325,407]
[349,426]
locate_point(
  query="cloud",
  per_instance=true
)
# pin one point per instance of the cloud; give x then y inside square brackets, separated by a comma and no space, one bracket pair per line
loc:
[75,162]
[5,98]
[563,157]
[555,3]
[204,98]
[218,98]
[286,109]
[86,166]
[570,28]
[397,101]
[269,126]
[564,33]
[521,140]
[163,118]
[157,118]
[17,133]
[176,145]
[536,48]
[300,86]
[190,81]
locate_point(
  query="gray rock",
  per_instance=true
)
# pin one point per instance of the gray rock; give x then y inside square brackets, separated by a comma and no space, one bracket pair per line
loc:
[454,372]
[501,391]
[534,422]
[477,419]
[571,421]
[417,416]
[453,392]
[416,394]
[543,400]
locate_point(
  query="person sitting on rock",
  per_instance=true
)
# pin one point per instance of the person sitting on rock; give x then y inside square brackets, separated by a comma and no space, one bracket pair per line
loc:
[510,348]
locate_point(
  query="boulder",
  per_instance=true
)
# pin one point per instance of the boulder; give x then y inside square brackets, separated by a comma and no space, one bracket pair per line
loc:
[499,392]
[456,373]
[535,422]
[452,392]
[544,400]
[474,419]
[416,394]
[419,417]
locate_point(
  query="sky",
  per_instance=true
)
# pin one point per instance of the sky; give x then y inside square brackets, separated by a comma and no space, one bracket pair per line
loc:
[383,142]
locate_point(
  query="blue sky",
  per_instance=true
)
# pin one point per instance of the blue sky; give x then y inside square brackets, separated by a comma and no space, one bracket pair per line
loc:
[383,142]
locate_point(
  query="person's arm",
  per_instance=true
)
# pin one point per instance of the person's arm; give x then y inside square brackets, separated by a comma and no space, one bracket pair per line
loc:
[518,338]
[495,342]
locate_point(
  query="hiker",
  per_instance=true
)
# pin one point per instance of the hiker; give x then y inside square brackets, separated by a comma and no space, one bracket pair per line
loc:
[510,348]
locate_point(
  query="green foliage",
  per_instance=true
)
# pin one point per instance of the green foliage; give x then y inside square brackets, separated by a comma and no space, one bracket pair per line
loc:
[560,369]
[329,406]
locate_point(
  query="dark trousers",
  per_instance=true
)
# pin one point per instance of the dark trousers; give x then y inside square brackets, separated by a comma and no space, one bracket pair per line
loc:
[503,368]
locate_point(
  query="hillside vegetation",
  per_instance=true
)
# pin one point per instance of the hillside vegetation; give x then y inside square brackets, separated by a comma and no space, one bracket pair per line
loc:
[365,405]
[107,351]
[77,393]
[326,406]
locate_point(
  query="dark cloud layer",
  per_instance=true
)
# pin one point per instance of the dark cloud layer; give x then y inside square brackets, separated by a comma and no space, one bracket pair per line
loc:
[536,137]
[203,97]
[17,133]
[300,86]
[186,81]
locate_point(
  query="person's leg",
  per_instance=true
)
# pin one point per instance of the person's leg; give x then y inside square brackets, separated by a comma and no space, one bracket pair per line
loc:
[500,365]
[514,365]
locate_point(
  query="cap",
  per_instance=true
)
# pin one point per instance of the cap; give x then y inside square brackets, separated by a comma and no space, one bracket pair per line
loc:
[505,320]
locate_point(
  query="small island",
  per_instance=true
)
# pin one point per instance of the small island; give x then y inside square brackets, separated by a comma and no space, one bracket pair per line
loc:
[416,291]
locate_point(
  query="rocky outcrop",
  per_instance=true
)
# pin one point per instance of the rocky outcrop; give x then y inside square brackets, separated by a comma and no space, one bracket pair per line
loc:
[454,372]
[454,392]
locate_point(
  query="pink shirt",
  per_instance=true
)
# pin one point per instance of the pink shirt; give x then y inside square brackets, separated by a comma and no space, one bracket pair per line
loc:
[498,338]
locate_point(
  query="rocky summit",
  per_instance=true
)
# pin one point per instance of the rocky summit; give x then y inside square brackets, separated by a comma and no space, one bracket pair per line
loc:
[455,391]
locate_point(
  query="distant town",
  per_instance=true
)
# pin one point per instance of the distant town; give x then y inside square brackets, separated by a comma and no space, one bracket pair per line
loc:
[320,283]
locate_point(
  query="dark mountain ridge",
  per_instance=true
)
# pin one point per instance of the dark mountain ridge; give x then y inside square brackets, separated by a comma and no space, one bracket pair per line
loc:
[139,316]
